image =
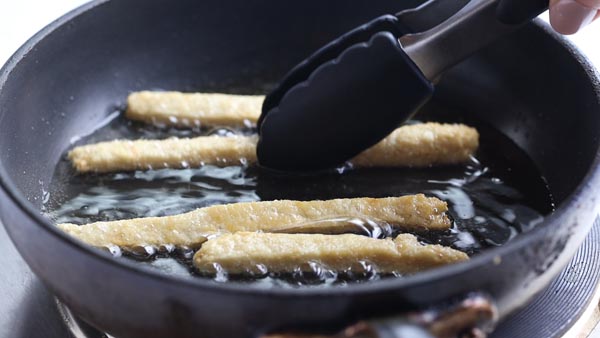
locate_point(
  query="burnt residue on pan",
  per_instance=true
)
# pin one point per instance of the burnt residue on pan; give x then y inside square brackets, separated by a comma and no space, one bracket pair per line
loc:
[494,197]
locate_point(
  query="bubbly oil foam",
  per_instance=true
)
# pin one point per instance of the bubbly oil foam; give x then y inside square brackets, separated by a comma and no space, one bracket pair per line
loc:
[493,198]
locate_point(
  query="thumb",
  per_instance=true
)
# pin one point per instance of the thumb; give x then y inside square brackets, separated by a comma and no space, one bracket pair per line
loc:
[569,16]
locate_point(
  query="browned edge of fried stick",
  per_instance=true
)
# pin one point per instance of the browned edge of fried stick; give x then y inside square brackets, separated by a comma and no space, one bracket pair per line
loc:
[409,213]
[194,109]
[250,252]
[419,145]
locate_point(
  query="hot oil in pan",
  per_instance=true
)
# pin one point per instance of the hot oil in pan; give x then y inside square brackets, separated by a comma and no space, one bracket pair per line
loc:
[492,199]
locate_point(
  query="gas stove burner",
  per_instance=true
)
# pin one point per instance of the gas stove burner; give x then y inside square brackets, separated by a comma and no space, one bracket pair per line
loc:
[550,315]
[77,327]
[555,310]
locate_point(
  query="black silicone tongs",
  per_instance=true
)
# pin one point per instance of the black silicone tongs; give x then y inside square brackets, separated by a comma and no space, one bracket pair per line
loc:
[357,89]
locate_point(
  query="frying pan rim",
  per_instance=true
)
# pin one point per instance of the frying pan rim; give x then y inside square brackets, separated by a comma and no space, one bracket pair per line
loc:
[583,190]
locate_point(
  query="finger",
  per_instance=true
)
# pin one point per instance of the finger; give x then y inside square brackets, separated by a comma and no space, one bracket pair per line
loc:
[569,16]
[590,3]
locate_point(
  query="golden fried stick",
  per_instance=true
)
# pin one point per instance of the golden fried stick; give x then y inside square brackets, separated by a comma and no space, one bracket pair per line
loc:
[408,146]
[242,252]
[422,145]
[169,153]
[413,212]
[192,109]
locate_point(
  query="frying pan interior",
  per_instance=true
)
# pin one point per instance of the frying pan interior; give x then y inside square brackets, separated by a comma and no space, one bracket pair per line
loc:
[81,72]
[72,75]
[88,67]
[544,101]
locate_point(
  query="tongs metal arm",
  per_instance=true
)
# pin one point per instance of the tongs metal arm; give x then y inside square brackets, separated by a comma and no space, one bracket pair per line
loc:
[429,14]
[472,27]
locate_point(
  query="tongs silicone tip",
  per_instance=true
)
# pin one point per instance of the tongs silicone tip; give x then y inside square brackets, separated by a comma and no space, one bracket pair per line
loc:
[355,90]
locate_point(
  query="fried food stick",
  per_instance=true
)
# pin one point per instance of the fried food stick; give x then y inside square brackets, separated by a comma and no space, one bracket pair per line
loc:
[169,153]
[413,212]
[422,145]
[417,145]
[243,252]
[194,109]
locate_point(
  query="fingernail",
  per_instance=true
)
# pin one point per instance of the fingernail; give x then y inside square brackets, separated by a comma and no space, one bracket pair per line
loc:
[569,16]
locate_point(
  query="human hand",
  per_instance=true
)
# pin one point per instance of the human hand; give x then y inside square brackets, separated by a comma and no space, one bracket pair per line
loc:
[569,16]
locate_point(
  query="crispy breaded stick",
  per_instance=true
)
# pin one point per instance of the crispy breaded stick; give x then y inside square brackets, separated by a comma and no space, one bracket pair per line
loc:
[409,146]
[414,212]
[192,109]
[169,153]
[240,253]
[422,145]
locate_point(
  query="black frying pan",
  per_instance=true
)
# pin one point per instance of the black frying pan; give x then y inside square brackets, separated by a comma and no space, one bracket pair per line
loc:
[532,86]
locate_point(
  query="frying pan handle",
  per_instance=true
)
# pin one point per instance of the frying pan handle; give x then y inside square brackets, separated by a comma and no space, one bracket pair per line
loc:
[474,315]
[515,12]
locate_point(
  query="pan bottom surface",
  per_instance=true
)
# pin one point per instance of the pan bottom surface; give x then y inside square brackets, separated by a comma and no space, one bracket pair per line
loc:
[551,314]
